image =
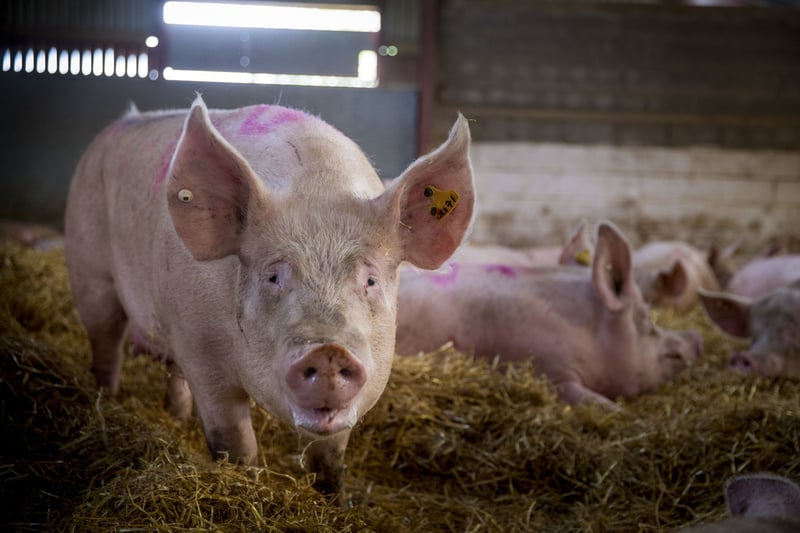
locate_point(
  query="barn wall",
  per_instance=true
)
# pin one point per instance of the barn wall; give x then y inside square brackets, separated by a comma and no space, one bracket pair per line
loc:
[535,193]
[672,120]
[48,121]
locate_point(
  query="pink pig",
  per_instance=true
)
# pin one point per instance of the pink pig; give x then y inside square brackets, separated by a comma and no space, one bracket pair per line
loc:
[670,272]
[576,251]
[256,251]
[586,329]
[758,503]
[772,321]
[763,275]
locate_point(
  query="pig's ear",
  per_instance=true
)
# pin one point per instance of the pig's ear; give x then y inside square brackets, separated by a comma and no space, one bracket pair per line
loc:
[209,189]
[612,275]
[763,496]
[672,282]
[432,201]
[731,313]
[578,249]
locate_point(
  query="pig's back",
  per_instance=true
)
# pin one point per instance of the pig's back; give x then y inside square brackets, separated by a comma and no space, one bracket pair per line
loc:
[762,276]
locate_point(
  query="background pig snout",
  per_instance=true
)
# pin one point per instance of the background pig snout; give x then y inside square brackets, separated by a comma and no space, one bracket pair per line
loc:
[742,362]
[328,376]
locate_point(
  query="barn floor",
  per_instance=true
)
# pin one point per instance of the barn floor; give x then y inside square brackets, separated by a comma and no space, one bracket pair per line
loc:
[451,446]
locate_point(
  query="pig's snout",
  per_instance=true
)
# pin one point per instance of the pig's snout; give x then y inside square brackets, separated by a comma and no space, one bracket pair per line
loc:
[326,378]
[742,362]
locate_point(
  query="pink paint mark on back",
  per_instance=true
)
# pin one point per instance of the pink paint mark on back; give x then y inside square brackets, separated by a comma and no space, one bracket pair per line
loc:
[278,116]
[163,167]
[503,270]
[446,277]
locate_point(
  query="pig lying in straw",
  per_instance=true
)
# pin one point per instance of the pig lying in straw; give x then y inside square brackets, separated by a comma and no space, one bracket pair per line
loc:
[758,503]
[586,329]
[256,251]
[772,321]
[576,251]
[764,274]
[670,272]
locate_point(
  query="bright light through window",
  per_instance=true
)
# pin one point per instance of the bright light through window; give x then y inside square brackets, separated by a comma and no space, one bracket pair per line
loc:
[309,17]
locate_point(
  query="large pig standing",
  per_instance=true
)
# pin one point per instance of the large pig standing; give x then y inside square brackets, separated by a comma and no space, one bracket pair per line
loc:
[772,321]
[256,250]
[586,329]
[670,272]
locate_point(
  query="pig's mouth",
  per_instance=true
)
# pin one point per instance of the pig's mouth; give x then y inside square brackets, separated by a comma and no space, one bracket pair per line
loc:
[323,421]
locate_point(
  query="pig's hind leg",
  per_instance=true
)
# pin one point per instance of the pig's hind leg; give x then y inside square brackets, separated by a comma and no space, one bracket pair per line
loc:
[105,320]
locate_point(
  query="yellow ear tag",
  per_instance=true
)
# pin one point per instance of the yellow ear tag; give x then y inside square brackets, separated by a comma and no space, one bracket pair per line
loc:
[442,202]
[584,257]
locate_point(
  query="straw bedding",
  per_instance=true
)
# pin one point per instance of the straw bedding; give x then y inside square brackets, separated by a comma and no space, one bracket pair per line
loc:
[451,446]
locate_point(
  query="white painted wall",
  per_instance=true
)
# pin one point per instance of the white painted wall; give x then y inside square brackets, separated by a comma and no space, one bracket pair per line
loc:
[532,194]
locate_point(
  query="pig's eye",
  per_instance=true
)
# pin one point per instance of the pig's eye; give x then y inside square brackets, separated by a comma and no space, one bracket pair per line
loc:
[371,282]
[273,278]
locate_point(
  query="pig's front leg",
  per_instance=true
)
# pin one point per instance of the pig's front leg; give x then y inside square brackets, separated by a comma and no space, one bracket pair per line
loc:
[225,415]
[325,458]
[574,393]
[178,401]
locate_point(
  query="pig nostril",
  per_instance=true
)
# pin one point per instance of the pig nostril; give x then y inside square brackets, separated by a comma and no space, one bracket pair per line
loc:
[309,372]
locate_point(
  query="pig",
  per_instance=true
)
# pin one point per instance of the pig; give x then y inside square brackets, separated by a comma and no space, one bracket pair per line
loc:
[758,503]
[586,329]
[256,251]
[762,275]
[772,321]
[670,272]
[576,251]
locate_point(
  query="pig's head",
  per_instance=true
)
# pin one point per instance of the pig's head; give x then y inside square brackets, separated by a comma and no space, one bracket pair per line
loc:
[772,321]
[660,354]
[317,265]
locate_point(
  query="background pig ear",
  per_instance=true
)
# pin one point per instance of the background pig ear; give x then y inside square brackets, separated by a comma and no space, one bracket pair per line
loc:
[763,495]
[673,281]
[434,200]
[578,249]
[612,277]
[729,312]
[209,189]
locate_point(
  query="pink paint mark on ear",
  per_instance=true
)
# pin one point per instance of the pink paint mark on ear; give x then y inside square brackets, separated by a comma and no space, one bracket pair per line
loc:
[278,116]
[503,270]
[446,276]
[163,167]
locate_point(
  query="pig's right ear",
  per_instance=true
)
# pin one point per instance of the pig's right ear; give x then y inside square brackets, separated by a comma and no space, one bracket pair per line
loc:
[728,311]
[432,201]
[612,273]
[209,189]
[763,496]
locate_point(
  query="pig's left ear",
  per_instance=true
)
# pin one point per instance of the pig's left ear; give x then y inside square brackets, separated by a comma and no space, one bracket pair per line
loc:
[433,200]
[729,312]
[612,274]
[209,189]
